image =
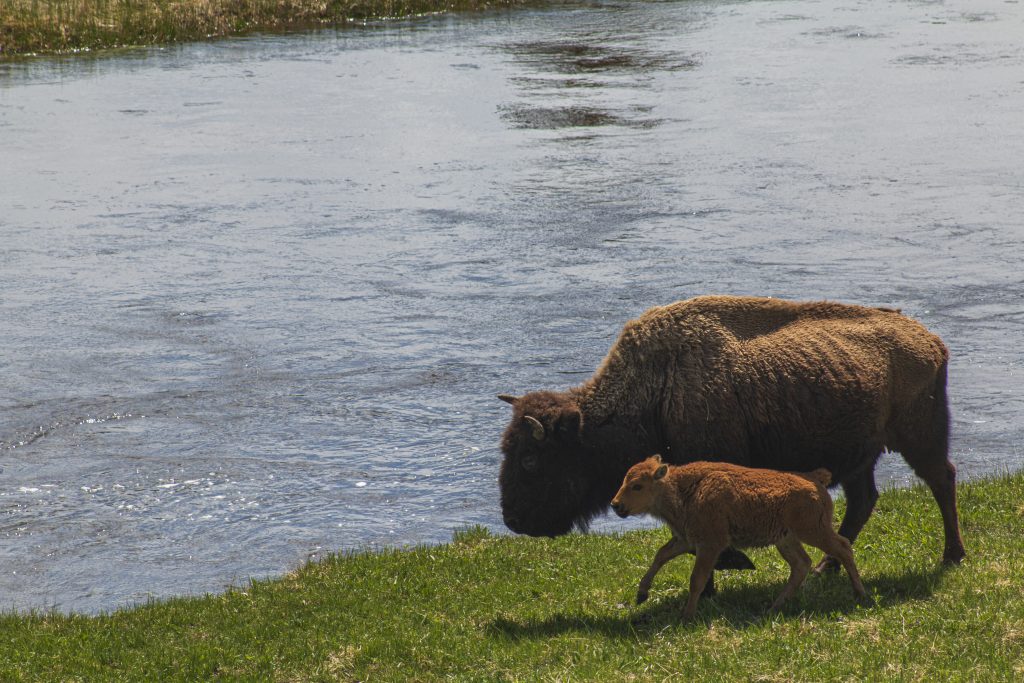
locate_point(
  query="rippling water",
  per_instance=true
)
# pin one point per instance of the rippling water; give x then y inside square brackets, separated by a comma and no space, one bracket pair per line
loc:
[257,296]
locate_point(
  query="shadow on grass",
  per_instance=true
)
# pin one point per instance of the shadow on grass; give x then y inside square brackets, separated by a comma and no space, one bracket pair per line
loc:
[825,596]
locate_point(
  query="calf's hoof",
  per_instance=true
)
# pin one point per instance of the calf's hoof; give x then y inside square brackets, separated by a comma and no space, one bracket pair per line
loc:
[689,615]
[641,597]
[730,558]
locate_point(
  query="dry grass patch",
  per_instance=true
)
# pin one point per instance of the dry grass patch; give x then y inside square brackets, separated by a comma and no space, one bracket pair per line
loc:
[868,628]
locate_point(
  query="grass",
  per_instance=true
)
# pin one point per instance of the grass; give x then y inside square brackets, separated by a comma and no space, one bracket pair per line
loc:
[59,26]
[493,608]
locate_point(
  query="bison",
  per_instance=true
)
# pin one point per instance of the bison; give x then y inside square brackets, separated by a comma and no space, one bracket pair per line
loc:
[755,381]
[712,505]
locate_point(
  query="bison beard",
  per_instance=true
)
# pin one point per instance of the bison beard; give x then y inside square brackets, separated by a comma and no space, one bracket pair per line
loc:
[755,381]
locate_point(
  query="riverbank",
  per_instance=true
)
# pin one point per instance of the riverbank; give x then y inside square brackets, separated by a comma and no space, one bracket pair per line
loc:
[488,607]
[30,27]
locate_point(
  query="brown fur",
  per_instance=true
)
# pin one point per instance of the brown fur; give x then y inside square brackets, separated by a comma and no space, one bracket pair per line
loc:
[758,381]
[711,506]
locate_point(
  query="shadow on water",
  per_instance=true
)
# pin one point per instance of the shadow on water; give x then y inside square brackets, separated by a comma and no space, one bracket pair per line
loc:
[744,607]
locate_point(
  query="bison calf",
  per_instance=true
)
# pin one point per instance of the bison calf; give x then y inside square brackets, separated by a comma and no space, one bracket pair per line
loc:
[710,506]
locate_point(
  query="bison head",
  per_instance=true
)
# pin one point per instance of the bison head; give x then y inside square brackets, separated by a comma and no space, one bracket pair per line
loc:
[641,487]
[548,479]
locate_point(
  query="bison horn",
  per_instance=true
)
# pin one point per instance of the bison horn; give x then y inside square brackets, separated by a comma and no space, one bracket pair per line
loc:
[538,428]
[508,398]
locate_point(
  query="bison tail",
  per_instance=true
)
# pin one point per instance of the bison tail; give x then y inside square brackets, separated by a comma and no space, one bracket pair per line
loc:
[820,476]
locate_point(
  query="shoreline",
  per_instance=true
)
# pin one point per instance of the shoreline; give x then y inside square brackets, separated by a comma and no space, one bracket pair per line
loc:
[31,28]
[498,607]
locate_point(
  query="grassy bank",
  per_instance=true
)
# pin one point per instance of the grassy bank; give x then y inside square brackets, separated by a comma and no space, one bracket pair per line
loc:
[508,608]
[56,26]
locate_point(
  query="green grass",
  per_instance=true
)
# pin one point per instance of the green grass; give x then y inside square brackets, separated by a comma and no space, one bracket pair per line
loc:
[488,607]
[59,26]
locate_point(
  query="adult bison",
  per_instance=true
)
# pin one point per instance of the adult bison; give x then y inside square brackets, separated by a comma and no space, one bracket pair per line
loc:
[755,381]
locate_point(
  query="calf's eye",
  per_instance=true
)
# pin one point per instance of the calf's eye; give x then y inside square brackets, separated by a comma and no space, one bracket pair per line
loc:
[637,487]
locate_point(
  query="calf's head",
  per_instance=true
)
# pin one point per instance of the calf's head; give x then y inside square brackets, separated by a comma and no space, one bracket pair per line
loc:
[640,488]
[547,487]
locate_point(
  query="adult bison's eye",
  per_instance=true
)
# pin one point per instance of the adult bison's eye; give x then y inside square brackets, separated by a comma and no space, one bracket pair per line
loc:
[530,463]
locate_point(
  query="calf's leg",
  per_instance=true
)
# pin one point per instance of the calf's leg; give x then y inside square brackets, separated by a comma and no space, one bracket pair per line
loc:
[799,566]
[702,568]
[674,548]
[838,547]
[861,495]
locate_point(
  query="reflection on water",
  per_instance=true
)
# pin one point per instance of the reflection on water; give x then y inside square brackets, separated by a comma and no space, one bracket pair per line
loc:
[599,65]
[540,118]
[259,295]
[588,58]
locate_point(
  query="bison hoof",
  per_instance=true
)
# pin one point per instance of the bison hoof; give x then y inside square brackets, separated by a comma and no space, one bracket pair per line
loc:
[733,559]
[828,564]
[953,557]
[641,597]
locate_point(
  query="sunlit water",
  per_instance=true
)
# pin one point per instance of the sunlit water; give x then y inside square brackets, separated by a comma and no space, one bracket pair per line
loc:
[257,296]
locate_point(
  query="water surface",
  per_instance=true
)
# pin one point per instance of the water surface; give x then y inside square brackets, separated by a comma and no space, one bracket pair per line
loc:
[258,295]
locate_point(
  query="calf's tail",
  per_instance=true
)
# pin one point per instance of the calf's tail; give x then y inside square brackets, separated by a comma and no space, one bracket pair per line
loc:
[820,476]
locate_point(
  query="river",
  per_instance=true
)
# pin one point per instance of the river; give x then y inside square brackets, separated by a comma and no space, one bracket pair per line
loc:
[257,295]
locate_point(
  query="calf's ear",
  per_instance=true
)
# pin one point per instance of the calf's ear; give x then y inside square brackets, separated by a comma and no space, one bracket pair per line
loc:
[661,472]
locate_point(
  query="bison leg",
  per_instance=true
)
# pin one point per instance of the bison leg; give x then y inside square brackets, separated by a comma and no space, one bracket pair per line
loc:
[799,564]
[861,495]
[709,588]
[733,559]
[730,558]
[941,479]
[838,547]
[702,570]
[923,437]
[823,537]
[674,548]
